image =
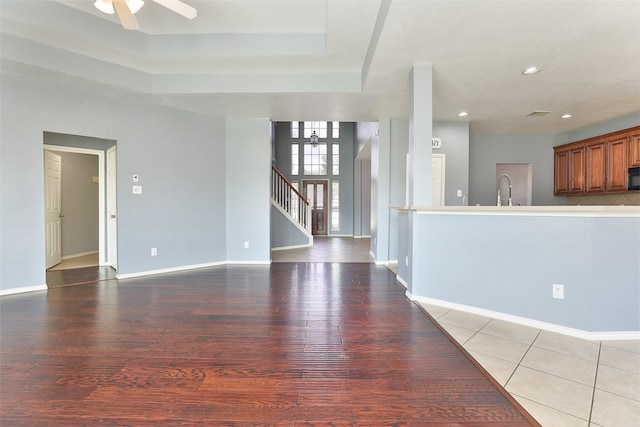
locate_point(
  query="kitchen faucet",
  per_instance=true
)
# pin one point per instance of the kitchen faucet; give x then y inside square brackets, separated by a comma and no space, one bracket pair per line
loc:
[504,175]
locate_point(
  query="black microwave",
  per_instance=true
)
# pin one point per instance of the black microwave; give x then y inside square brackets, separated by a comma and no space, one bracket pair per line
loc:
[633,182]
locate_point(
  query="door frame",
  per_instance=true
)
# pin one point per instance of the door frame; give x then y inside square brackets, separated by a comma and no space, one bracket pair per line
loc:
[326,200]
[52,209]
[103,242]
[443,158]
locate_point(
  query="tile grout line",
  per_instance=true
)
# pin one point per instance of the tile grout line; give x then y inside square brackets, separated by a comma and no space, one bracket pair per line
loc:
[595,380]
[522,358]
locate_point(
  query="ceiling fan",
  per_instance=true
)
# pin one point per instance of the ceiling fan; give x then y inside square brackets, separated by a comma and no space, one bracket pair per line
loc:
[126,9]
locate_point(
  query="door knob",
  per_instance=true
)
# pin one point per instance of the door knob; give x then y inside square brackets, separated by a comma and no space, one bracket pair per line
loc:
[61,215]
[113,216]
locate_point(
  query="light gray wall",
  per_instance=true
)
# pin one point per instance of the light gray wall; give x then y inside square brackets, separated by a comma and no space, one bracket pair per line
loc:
[52,138]
[79,203]
[248,180]
[366,139]
[365,198]
[397,179]
[178,155]
[605,127]
[284,233]
[487,150]
[508,264]
[455,145]
[346,178]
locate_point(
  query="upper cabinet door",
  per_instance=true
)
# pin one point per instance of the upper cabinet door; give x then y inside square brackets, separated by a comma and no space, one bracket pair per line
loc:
[596,164]
[577,170]
[561,172]
[617,163]
[634,147]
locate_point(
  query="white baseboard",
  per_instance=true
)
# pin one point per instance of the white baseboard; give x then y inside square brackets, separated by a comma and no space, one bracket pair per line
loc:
[248,262]
[169,270]
[578,333]
[403,283]
[282,248]
[13,291]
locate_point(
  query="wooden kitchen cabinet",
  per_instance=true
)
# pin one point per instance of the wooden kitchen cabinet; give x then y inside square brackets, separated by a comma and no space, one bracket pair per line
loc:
[634,147]
[617,147]
[596,165]
[577,170]
[595,159]
[561,172]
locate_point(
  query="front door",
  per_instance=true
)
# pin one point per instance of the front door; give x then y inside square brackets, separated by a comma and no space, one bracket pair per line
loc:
[317,195]
[53,208]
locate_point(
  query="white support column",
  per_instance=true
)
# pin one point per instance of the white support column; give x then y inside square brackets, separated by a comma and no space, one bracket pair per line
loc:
[420,180]
[420,131]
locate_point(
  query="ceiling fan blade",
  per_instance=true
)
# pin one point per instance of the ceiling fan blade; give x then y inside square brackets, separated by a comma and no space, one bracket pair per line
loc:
[129,21]
[179,7]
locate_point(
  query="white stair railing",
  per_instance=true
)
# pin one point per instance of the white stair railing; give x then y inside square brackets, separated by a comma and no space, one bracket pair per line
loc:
[289,199]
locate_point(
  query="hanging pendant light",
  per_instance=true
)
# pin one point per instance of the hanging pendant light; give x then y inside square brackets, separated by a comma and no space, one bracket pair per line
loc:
[314,139]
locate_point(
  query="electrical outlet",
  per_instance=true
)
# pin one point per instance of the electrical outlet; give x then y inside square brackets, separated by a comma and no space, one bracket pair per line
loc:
[154,251]
[246,244]
[558,291]
[459,193]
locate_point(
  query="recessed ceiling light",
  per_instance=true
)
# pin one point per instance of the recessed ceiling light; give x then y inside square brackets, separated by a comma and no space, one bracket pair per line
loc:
[531,70]
[566,116]
[463,114]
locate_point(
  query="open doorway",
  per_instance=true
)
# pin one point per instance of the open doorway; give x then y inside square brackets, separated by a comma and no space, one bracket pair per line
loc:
[83,232]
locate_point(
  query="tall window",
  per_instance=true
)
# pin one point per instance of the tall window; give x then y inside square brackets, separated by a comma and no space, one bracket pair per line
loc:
[335,129]
[335,205]
[335,159]
[295,129]
[294,200]
[315,159]
[295,159]
[319,127]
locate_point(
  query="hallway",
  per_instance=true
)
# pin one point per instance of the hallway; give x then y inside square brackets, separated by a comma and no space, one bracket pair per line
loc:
[328,249]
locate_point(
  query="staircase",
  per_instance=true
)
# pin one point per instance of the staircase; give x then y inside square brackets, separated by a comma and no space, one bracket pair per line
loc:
[291,227]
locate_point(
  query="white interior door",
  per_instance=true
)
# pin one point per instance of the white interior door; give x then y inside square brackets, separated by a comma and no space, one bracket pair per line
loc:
[437,178]
[112,218]
[53,208]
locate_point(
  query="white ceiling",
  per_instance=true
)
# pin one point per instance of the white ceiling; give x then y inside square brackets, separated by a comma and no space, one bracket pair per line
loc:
[345,59]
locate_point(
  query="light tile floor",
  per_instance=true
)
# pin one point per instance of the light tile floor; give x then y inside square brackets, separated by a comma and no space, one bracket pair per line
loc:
[561,380]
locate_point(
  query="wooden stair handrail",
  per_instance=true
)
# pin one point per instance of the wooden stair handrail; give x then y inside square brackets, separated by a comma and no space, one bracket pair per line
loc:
[304,199]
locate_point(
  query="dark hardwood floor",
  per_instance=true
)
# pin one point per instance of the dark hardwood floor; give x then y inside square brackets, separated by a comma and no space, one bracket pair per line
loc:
[288,344]
[79,276]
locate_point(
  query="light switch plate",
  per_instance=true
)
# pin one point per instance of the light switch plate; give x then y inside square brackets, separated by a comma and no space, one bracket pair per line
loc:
[136,178]
[137,189]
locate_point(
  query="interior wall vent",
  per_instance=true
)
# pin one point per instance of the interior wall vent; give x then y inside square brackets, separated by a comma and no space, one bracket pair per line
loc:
[538,113]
